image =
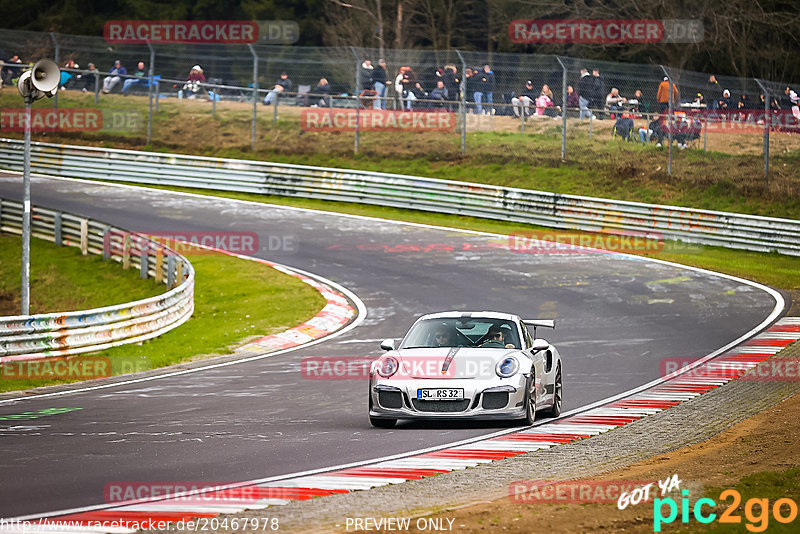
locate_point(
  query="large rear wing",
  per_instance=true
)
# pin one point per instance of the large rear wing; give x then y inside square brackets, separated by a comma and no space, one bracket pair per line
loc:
[545,323]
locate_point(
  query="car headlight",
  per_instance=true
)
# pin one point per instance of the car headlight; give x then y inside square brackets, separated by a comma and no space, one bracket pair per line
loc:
[507,367]
[387,366]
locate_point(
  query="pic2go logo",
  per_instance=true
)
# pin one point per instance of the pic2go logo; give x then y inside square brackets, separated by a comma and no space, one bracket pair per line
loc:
[756,511]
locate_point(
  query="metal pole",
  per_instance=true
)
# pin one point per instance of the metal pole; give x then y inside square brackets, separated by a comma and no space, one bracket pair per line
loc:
[591,119]
[255,95]
[57,57]
[669,121]
[150,94]
[358,103]
[705,133]
[463,104]
[563,109]
[275,109]
[767,118]
[25,293]
[96,86]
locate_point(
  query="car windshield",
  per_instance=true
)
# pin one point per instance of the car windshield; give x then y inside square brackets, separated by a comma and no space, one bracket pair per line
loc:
[457,332]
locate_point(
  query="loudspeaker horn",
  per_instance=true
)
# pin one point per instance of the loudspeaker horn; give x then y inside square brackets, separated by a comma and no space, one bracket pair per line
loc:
[42,80]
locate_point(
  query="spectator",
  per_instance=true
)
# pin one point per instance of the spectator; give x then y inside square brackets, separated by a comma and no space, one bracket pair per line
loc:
[115,76]
[598,90]
[662,96]
[585,94]
[407,88]
[791,101]
[544,102]
[451,82]
[320,93]
[572,98]
[484,88]
[379,84]
[726,103]
[614,101]
[414,91]
[524,100]
[366,75]
[68,78]
[713,93]
[637,103]
[11,69]
[439,94]
[471,80]
[87,80]
[284,84]
[193,81]
[744,102]
[656,128]
[139,75]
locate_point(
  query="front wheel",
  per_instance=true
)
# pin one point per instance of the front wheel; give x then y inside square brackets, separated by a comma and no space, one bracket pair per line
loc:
[555,411]
[530,400]
[382,422]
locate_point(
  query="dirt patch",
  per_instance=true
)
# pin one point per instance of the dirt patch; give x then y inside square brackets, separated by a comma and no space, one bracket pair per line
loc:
[769,441]
[9,303]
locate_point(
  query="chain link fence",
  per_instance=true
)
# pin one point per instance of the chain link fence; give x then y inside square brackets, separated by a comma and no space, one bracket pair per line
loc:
[346,89]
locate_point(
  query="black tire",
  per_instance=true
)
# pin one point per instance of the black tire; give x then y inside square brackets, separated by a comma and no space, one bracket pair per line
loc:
[555,411]
[530,400]
[381,422]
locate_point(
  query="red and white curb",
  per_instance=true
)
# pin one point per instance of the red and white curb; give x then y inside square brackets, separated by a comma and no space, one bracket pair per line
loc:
[718,371]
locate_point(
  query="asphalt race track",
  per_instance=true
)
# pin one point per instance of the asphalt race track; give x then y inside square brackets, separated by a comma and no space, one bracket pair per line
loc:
[617,318]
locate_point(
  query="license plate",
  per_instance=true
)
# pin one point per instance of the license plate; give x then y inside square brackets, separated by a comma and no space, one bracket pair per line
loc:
[440,394]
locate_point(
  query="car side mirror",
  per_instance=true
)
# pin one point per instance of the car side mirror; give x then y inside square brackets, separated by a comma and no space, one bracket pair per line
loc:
[540,344]
[387,344]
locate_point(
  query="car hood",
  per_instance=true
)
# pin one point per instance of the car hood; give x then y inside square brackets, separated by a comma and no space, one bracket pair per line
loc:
[449,362]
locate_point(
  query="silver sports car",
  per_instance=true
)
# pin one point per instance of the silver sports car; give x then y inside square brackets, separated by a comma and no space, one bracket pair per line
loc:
[483,365]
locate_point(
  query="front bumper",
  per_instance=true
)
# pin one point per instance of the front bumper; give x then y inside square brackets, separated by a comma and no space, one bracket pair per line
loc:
[493,399]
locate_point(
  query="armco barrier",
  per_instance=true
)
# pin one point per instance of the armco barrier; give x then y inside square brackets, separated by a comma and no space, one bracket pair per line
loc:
[730,230]
[58,334]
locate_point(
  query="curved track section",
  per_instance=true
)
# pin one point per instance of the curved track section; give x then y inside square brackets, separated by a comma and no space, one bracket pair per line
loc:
[618,317]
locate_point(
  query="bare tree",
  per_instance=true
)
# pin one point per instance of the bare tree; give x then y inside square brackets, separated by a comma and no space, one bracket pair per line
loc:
[374,13]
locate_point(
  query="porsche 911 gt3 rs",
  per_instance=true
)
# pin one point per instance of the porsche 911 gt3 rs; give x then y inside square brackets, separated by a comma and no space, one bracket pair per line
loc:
[481,365]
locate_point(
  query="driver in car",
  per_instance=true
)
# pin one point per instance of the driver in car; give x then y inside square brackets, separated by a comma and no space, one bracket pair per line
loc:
[496,338]
[443,338]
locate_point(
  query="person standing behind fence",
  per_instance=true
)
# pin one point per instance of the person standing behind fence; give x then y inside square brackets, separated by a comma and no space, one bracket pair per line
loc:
[713,92]
[584,94]
[484,88]
[379,84]
[451,83]
[598,90]
[115,76]
[662,95]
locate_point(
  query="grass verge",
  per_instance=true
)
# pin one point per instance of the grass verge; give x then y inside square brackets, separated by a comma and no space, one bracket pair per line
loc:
[234,299]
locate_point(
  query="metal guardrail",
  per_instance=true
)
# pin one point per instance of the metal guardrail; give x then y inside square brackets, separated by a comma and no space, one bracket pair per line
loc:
[58,334]
[572,212]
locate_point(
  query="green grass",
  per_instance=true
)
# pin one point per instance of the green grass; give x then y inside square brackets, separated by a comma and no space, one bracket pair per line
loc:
[764,485]
[64,280]
[234,299]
